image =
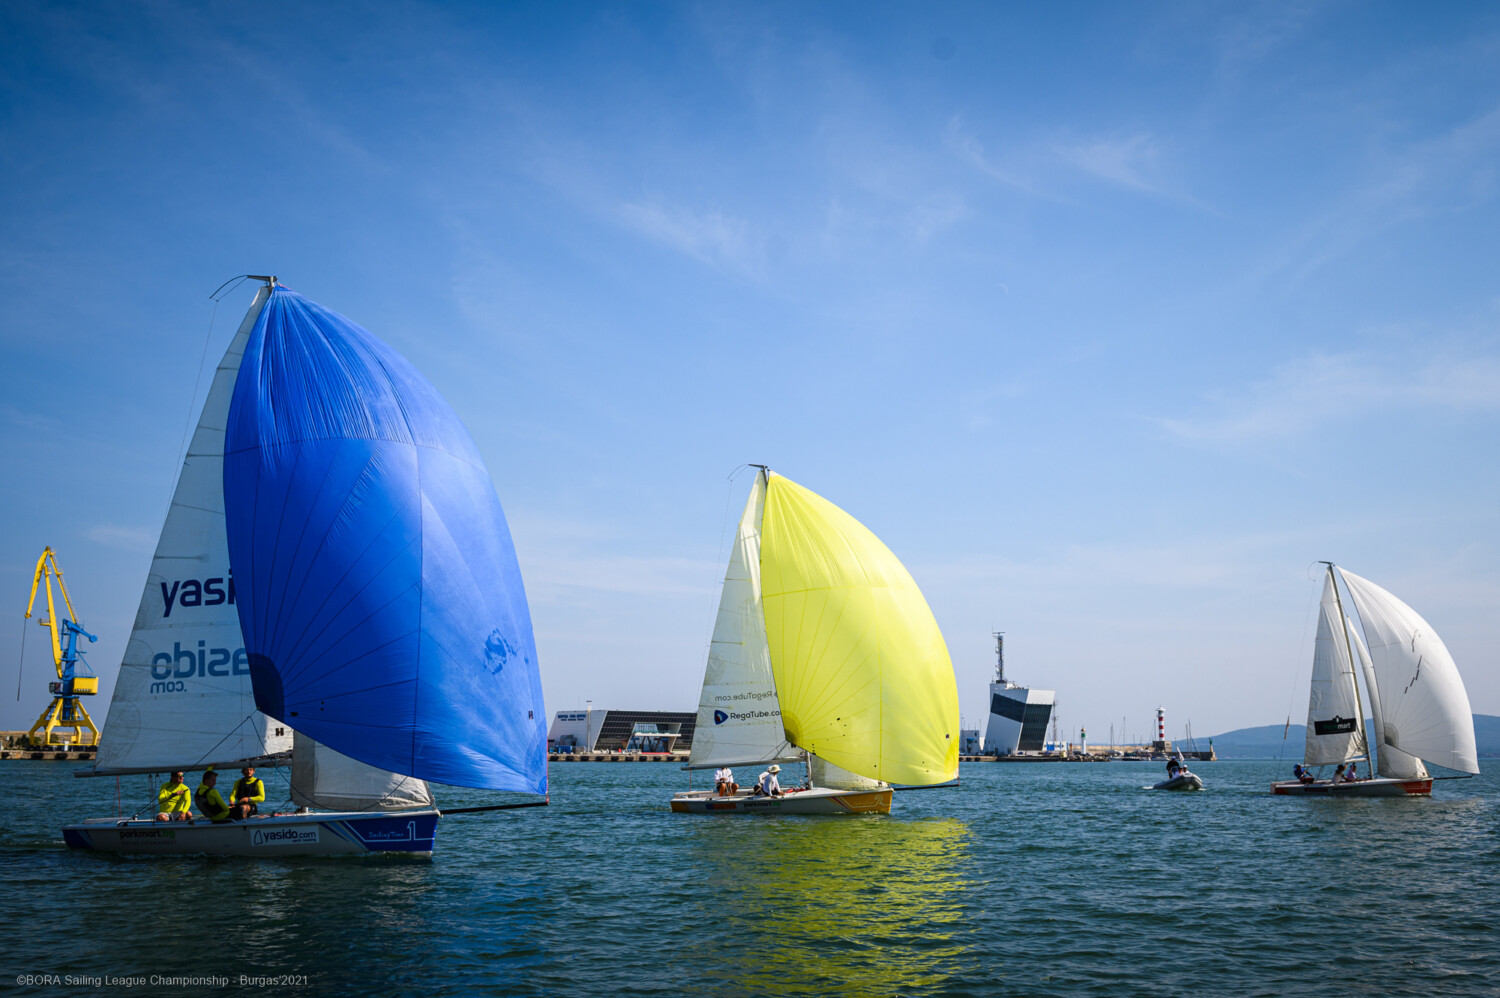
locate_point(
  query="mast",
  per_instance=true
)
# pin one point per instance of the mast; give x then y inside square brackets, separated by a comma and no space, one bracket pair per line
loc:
[184,686]
[1376,712]
[1359,712]
[1000,657]
[739,712]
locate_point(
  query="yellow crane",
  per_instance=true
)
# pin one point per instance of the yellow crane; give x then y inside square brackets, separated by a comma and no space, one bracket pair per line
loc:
[65,710]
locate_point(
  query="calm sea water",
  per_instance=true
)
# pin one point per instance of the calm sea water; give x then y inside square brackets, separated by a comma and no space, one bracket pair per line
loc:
[1027,880]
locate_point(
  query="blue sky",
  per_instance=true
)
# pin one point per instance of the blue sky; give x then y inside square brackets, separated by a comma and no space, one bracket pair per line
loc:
[1110,319]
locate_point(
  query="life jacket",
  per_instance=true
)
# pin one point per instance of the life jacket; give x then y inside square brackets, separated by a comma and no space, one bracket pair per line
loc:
[252,788]
[211,803]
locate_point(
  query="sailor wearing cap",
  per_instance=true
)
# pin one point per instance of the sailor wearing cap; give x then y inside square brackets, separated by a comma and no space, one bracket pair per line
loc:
[174,800]
[769,785]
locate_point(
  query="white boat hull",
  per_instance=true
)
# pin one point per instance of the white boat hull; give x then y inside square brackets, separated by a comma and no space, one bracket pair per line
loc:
[1187,781]
[817,800]
[326,833]
[1378,787]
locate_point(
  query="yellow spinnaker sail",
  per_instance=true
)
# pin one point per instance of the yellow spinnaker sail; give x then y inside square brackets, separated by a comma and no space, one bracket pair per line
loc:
[861,669]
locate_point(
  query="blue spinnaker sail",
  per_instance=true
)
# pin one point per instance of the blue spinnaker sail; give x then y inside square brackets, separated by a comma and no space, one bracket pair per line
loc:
[374,574]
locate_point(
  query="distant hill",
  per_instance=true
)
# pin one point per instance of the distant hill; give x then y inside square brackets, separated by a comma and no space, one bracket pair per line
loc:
[1265,742]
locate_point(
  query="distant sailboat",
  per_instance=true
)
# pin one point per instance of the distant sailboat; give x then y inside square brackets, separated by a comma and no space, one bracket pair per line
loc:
[823,650]
[1418,703]
[335,577]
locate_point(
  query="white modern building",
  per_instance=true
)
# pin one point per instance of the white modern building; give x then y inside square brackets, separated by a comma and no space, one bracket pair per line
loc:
[1018,714]
[592,730]
[574,730]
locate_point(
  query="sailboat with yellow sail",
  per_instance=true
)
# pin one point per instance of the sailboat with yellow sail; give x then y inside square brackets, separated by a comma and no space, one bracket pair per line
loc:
[823,651]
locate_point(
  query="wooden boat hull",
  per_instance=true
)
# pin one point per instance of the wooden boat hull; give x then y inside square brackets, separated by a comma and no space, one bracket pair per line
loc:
[1378,787]
[327,833]
[1187,781]
[818,800]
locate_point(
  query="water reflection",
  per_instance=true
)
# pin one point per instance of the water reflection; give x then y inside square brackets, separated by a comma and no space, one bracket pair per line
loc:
[871,906]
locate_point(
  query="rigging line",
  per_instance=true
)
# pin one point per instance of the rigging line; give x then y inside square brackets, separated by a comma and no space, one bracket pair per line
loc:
[276,770]
[1296,674]
[221,741]
[405,779]
[717,581]
[193,402]
[233,280]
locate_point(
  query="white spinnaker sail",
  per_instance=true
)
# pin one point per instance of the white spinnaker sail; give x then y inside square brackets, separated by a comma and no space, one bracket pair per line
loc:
[324,778]
[739,715]
[822,773]
[183,698]
[1335,729]
[1424,706]
[1391,762]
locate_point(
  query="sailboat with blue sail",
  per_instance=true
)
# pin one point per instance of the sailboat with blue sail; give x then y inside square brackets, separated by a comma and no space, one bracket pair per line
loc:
[368,604]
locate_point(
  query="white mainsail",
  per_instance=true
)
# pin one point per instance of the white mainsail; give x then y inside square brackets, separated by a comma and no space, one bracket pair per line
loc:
[739,715]
[183,698]
[1425,709]
[1391,762]
[1335,728]
[324,778]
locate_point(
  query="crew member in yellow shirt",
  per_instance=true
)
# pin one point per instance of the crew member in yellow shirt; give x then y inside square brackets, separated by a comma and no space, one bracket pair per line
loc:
[209,801]
[248,792]
[174,800]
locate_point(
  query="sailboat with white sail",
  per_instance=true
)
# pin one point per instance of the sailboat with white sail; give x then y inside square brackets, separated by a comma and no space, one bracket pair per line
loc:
[1418,704]
[334,581]
[823,651]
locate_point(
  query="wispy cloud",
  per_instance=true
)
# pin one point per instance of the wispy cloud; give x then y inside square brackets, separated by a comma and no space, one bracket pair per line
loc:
[1132,161]
[1443,175]
[1245,41]
[1304,394]
[560,573]
[1139,162]
[707,235]
[977,409]
[568,558]
[962,141]
[122,538]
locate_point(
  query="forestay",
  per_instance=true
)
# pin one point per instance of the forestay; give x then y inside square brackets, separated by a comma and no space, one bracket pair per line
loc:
[1424,706]
[183,699]
[739,716]
[861,669]
[1335,727]
[379,592]
[324,778]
